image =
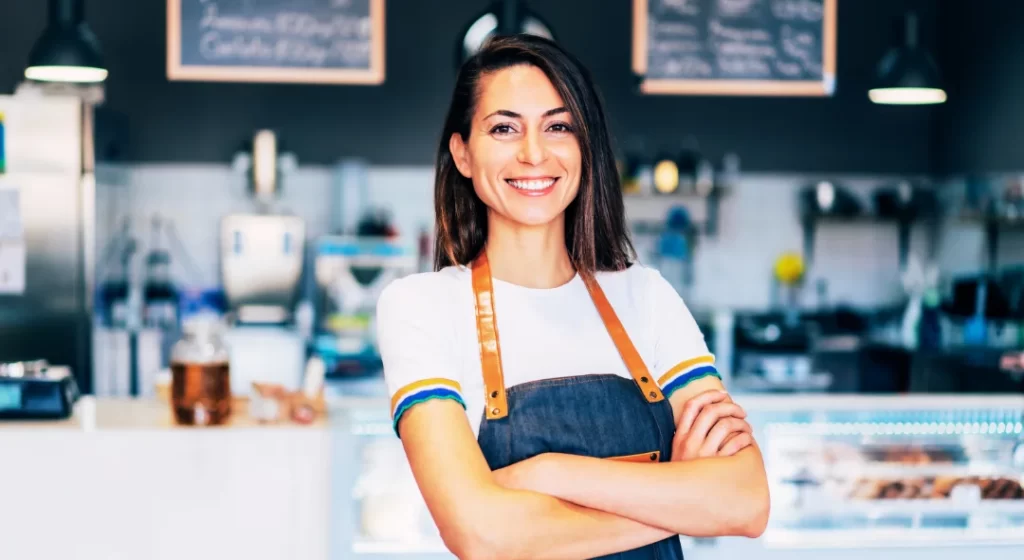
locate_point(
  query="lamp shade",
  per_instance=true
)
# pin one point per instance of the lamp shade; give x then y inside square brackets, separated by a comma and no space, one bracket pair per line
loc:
[907,74]
[503,17]
[67,51]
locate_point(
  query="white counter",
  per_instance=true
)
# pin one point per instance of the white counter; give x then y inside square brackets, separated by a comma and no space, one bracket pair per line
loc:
[120,481]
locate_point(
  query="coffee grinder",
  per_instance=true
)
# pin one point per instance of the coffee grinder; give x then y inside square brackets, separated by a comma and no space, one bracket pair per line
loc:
[262,256]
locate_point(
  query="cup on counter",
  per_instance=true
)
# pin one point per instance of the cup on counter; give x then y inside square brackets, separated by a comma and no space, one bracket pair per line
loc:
[163,386]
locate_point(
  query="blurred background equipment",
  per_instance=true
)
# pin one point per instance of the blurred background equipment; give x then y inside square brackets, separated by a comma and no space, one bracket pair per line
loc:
[36,390]
[262,262]
[351,272]
[262,258]
[141,298]
[675,252]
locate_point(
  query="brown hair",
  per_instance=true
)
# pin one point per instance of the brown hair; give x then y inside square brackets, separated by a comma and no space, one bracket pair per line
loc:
[595,224]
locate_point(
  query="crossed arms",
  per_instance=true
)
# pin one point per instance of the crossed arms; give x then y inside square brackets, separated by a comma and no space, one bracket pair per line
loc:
[563,506]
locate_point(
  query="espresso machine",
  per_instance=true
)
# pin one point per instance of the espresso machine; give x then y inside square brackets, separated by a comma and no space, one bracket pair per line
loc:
[351,271]
[262,257]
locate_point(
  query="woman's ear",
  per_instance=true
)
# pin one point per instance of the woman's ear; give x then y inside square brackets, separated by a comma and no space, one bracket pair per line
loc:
[460,155]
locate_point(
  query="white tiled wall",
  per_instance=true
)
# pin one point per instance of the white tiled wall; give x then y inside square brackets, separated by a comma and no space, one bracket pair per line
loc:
[758,221]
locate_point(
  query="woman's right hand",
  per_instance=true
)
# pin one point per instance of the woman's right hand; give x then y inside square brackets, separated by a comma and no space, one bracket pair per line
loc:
[711,425]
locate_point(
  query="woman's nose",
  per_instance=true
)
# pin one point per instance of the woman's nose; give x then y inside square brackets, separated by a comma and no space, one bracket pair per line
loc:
[531,150]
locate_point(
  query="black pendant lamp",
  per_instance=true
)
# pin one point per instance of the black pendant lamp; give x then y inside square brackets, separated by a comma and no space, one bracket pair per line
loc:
[502,17]
[908,75]
[68,50]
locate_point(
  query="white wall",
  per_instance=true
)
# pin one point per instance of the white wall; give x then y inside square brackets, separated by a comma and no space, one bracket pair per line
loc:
[758,221]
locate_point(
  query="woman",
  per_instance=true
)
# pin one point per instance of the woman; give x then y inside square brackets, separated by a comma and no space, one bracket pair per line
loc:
[555,400]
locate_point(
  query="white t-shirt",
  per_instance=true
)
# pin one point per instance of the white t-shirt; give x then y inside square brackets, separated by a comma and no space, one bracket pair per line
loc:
[426,330]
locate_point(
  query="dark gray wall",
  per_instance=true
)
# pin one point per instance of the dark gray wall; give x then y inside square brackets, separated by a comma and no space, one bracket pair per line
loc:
[982,55]
[398,123]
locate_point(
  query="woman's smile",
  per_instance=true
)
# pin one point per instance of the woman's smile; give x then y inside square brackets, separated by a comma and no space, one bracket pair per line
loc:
[538,186]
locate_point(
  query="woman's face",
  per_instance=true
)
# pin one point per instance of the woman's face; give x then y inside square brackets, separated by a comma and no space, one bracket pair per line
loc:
[522,154]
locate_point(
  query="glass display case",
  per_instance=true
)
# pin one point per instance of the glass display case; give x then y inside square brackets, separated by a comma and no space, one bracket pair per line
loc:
[892,471]
[376,508]
[939,475]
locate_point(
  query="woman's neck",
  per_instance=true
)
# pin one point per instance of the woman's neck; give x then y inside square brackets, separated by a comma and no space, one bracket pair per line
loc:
[532,257]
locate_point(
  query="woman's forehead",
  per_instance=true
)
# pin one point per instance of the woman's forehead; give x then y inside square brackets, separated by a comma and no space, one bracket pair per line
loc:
[522,89]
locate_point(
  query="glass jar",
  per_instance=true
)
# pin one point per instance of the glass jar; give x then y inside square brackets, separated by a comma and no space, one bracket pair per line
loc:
[200,374]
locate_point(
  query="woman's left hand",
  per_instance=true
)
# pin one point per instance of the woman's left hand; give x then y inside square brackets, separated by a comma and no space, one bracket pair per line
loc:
[711,425]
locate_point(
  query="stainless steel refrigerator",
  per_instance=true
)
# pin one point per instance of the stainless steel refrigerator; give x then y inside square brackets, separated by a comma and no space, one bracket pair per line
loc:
[49,181]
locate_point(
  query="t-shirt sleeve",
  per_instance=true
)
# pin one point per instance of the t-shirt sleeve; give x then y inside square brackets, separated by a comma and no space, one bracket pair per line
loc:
[681,355]
[416,345]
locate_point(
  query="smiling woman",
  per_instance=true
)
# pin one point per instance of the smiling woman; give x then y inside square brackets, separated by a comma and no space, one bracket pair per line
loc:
[535,152]
[565,437]
[517,113]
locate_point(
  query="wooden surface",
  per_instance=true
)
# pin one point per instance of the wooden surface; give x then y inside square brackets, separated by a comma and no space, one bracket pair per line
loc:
[129,414]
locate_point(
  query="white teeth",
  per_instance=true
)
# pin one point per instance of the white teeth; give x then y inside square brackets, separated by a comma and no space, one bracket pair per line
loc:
[531,184]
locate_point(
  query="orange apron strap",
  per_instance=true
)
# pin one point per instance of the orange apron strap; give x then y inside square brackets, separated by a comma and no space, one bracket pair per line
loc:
[487,337]
[635,364]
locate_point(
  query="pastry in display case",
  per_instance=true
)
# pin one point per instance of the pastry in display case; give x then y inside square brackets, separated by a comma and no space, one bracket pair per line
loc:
[892,470]
[379,511]
[392,513]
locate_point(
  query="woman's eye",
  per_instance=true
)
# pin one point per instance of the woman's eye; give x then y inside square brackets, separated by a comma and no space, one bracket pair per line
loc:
[502,129]
[560,127]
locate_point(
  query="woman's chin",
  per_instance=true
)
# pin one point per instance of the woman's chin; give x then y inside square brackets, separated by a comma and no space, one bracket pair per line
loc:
[534,217]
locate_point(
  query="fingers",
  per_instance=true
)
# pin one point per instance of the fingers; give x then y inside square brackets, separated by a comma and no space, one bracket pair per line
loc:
[710,416]
[736,444]
[693,407]
[710,424]
[678,446]
[724,430]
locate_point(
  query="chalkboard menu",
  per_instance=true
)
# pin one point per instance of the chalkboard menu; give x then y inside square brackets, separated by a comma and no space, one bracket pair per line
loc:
[735,47]
[307,41]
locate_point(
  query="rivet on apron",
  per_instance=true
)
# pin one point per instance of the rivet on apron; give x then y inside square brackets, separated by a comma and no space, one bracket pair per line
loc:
[643,380]
[494,395]
[653,394]
[495,411]
[654,456]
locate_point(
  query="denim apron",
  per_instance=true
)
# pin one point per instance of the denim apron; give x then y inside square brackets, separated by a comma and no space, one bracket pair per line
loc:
[596,415]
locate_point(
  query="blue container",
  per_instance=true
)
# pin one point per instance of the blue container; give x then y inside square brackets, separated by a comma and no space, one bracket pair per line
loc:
[3,156]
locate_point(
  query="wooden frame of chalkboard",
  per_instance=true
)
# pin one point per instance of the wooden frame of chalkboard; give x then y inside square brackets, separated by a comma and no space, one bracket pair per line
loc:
[821,85]
[370,73]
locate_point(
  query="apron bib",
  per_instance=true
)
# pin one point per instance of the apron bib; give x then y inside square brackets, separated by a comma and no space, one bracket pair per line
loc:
[595,415]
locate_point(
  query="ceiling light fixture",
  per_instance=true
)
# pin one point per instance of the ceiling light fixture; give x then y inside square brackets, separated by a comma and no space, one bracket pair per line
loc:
[67,51]
[502,17]
[907,74]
